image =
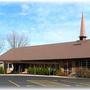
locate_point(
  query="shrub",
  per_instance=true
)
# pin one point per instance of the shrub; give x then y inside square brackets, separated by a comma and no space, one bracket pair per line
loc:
[46,71]
[60,73]
[39,70]
[83,73]
[1,70]
[87,74]
[30,70]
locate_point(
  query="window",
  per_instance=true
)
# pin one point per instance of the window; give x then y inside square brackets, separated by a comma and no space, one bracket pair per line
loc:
[77,63]
[83,63]
[88,64]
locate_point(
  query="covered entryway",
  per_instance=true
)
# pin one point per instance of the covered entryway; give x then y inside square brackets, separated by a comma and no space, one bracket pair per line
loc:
[20,67]
[49,69]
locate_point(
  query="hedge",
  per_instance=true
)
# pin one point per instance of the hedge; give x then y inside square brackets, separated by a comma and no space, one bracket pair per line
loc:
[40,70]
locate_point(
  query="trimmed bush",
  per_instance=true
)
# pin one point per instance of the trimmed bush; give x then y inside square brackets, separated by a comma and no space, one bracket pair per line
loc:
[1,70]
[39,70]
[30,70]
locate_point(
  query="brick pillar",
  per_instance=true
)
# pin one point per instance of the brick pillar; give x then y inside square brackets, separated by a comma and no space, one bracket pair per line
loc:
[5,68]
[62,66]
[73,67]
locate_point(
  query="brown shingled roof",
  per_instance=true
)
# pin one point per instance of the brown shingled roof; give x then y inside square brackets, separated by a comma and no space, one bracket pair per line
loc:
[77,49]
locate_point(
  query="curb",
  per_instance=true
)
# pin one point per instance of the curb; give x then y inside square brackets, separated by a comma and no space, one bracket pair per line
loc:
[53,76]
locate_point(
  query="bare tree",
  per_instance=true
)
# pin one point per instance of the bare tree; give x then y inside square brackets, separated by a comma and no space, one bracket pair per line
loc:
[16,40]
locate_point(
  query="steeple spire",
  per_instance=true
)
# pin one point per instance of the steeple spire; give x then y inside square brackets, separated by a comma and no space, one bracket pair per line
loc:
[82,31]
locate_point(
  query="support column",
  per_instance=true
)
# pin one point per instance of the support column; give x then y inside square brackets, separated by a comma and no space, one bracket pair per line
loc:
[34,69]
[19,68]
[73,67]
[67,68]
[81,64]
[5,68]
[49,68]
[62,66]
[86,65]
[8,69]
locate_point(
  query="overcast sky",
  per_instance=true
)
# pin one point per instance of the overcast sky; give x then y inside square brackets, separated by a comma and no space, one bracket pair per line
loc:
[45,22]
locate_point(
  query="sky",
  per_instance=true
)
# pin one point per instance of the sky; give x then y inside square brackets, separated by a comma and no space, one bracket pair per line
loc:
[44,21]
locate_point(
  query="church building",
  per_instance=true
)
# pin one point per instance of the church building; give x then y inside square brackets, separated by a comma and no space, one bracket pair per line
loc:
[64,59]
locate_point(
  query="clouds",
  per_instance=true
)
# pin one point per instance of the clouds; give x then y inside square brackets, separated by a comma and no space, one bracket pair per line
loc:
[25,9]
[57,35]
[44,22]
[15,9]
[43,1]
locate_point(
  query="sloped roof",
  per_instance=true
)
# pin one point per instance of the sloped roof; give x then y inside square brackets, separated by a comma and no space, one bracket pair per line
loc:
[69,50]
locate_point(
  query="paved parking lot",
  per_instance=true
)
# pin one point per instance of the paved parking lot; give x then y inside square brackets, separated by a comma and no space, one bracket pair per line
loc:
[42,82]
